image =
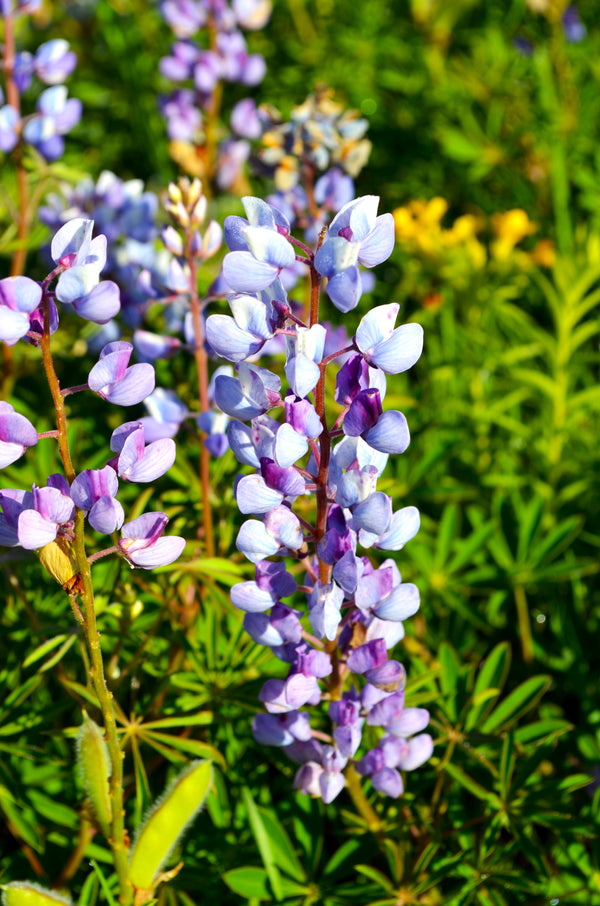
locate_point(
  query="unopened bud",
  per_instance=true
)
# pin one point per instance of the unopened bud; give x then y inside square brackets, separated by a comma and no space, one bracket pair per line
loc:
[174,193]
[199,210]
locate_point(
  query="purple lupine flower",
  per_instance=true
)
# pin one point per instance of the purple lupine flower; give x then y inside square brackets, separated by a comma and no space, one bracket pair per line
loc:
[166,413]
[79,283]
[391,350]
[252,14]
[141,542]
[54,61]
[281,729]
[184,17]
[9,121]
[93,491]
[113,380]
[259,249]
[355,236]
[250,394]
[253,323]
[46,511]
[573,28]
[56,115]
[136,460]
[19,299]
[16,434]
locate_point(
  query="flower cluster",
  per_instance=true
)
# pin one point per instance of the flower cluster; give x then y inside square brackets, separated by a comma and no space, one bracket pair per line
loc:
[56,114]
[355,609]
[125,213]
[45,515]
[320,134]
[199,70]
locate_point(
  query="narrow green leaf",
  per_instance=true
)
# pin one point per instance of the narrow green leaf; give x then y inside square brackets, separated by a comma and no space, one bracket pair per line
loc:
[186,720]
[43,649]
[377,876]
[491,678]
[283,851]
[542,731]
[469,783]
[182,744]
[262,841]
[519,702]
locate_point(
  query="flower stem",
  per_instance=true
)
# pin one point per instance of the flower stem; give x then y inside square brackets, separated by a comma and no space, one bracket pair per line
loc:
[90,628]
[202,373]
[363,806]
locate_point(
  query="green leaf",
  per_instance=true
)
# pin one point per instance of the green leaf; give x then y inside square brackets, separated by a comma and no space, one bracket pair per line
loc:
[248,882]
[43,649]
[491,678]
[377,876]
[183,744]
[263,842]
[519,702]
[283,851]
[470,784]
[542,731]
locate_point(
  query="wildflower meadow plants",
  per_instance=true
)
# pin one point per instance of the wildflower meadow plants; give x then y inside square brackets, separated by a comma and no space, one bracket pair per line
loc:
[232,580]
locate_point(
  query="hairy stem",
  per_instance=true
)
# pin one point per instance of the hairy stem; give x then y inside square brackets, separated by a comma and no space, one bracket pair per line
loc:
[90,628]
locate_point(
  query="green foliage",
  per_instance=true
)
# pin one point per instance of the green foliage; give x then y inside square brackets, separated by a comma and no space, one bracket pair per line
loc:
[503,465]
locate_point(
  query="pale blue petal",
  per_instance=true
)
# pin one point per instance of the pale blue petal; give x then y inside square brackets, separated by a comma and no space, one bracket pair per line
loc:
[402,603]
[374,514]
[271,247]
[363,217]
[254,541]
[336,255]
[390,434]
[253,495]
[230,341]
[379,244]
[376,326]
[303,375]
[345,289]
[400,351]
[289,446]
[244,273]
[404,526]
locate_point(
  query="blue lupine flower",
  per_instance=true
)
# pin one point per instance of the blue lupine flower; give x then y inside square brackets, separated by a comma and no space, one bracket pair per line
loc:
[57,114]
[391,350]
[54,61]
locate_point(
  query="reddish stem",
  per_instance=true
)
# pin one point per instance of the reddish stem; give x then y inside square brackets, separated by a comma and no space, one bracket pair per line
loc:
[202,372]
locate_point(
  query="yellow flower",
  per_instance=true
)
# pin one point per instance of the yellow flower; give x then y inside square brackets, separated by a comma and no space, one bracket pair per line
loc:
[510,227]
